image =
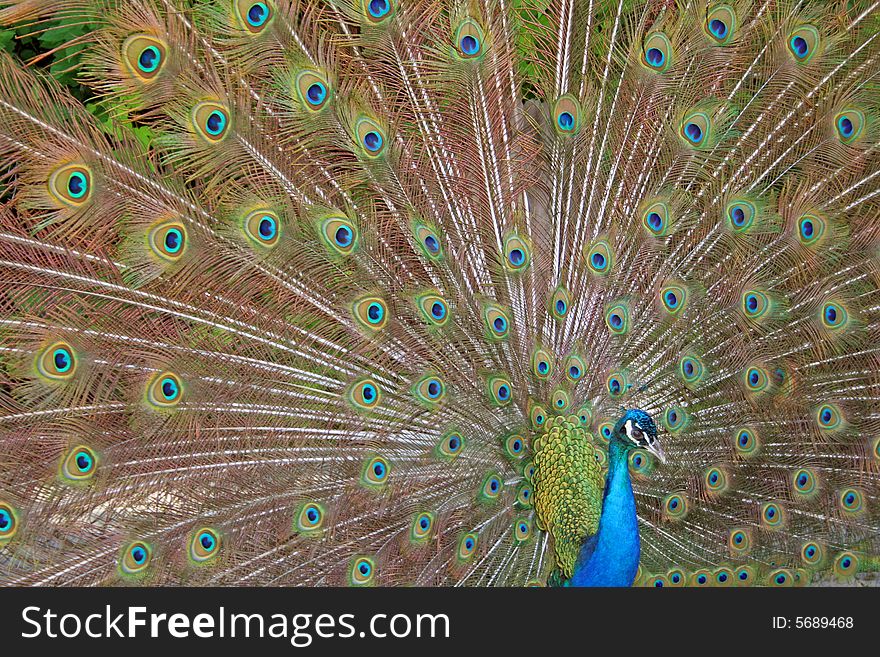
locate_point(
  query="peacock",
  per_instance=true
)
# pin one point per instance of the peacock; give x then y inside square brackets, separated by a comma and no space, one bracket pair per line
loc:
[451,292]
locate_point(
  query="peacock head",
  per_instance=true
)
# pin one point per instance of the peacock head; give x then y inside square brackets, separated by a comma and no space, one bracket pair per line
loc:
[636,429]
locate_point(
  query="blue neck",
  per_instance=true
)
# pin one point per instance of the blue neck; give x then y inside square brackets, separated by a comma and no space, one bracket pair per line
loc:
[611,557]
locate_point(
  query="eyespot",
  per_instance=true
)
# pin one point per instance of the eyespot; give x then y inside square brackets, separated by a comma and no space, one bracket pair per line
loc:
[364,395]
[469,39]
[617,384]
[567,115]
[500,390]
[701,577]
[312,89]
[371,313]
[657,52]
[422,527]
[542,363]
[599,258]
[515,446]
[675,577]
[721,24]
[716,480]
[211,121]
[829,417]
[538,416]
[617,318]
[517,254]
[430,390]
[135,558]
[254,17]
[834,316]
[756,379]
[467,546]
[695,128]
[780,577]
[168,240]
[310,518]
[675,506]
[601,458]
[57,362]
[205,545]
[560,303]
[846,564]
[606,429]
[339,234]
[522,529]
[433,309]
[574,368]
[585,416]
[875,449]
[655,219]
[723,576]
[71,184]
[8,521]
[849,125]
[812,553]
[804,482]
[658,582]
[746,441]
[675,419]
[79,465]
[497,322]
[378,11]
[370,137]
[261,227]
[803,43]
[144,56]
[851,500]
[165,390]
[528,470]
[740,542]
[363,571]
[754,304]
[674,298]
[450,444]
[744,576]
[560,400]
[772,515]
[491,488]
[740,215]
[376,472]
[524,496]
[810,229]
[429,241]
[691,370]
[639,461]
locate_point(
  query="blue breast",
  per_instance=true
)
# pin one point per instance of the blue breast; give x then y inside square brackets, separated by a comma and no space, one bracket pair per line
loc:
[611,557]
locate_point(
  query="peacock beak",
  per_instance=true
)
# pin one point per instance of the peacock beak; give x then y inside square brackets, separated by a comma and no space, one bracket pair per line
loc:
[657,451]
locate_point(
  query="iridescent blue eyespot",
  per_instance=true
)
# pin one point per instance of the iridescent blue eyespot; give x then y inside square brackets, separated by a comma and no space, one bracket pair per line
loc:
[373,141]
[469,44]
[438,310]
[258,14]
[516,257]
[378,8]
[316,93]
[718,28]
[62,359]
[655,57]
[566,121]
[77,185]
[693,132]
[799,47]
[343,236]
[173,240]
[215,123]
[149,59]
